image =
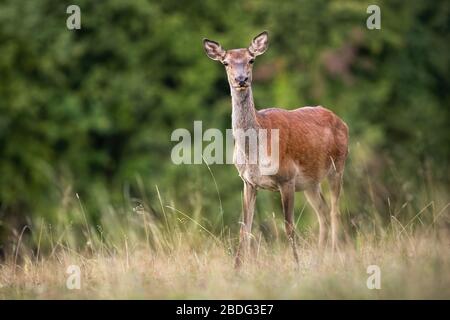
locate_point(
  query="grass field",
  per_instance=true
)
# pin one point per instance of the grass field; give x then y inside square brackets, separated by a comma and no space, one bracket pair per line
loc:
[179,258]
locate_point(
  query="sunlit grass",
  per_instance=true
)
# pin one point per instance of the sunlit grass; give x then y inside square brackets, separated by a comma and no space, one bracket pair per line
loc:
[138,255]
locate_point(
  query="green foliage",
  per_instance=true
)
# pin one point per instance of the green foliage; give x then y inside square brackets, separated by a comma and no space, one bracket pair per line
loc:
[91,111]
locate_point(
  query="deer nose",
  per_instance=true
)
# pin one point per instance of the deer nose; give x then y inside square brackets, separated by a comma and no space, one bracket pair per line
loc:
[241,80]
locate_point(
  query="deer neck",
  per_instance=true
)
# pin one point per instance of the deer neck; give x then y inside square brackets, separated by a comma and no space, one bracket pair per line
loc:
[243,113]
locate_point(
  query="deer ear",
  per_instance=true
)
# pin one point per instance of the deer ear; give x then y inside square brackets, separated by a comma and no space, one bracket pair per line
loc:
[213,49]
[260,43]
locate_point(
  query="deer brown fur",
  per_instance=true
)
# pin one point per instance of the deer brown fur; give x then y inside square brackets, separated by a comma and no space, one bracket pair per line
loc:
[313,146]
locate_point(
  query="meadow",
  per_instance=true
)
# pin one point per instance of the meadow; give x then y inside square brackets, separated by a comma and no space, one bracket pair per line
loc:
[133,254]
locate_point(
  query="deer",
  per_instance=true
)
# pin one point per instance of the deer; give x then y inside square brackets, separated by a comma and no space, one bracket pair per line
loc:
[312,148]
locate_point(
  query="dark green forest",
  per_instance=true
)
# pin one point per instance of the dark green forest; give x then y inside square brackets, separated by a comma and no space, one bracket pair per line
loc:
[90,112]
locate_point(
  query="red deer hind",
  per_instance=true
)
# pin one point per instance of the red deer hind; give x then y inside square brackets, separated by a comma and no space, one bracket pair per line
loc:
[312,146]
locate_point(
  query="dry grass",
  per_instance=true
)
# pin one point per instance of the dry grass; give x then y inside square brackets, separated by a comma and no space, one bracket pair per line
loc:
[414,264]
[137,253]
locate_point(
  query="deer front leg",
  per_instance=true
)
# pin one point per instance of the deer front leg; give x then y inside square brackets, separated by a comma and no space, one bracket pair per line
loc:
[246,226]
[287,197]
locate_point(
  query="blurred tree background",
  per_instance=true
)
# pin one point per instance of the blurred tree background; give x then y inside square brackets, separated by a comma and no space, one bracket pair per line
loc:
[91,111]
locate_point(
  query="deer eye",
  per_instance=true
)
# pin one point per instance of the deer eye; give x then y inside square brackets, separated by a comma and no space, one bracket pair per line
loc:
[225,63]
[251,61]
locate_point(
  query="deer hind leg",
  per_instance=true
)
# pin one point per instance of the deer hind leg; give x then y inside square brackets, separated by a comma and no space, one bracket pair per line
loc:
[287,199]
[317,201]
[335,181]
[246,226]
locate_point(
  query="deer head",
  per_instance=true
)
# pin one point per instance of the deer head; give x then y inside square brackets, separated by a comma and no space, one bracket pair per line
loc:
[238,62]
